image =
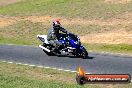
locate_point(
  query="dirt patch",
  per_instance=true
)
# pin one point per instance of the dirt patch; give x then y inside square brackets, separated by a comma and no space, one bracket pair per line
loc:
[78,21]
[117,1]
[6,21]
[6,2]
[115,37]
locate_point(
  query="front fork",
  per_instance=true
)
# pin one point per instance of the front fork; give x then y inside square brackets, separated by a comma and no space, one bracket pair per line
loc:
[78,51]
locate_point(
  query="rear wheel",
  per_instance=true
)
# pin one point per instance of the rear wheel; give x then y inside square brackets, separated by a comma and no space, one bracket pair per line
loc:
[48,47]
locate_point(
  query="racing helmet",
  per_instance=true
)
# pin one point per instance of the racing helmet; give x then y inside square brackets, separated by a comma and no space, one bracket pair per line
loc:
[56,24]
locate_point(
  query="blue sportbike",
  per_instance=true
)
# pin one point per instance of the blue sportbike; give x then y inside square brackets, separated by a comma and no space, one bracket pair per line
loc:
[70,45]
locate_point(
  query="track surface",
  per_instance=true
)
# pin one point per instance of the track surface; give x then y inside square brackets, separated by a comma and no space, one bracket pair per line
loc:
[100,63]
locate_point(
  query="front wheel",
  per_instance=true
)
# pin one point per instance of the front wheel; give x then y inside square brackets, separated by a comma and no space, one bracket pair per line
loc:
[84,53]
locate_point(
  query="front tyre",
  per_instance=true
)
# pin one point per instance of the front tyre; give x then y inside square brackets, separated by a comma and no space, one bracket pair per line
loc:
[84,53]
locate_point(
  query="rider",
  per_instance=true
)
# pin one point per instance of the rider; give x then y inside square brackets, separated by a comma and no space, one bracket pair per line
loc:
[53,35]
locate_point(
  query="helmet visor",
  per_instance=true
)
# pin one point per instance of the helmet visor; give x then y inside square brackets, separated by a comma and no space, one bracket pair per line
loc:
[57,26]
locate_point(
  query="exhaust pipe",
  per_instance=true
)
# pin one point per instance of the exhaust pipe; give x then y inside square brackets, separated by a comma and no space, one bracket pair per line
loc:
[44,48]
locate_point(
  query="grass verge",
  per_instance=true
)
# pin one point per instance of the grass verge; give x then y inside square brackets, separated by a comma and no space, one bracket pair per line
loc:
[114,48]
[19,76]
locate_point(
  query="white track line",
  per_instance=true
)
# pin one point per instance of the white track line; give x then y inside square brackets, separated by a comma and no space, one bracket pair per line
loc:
[10,62]
[40,66]
[31,65]
[21,45]
[25,64]
[43,67]
[15,63]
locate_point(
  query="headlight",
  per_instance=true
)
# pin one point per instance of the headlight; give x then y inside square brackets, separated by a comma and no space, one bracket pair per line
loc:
[77,42]
[78,38]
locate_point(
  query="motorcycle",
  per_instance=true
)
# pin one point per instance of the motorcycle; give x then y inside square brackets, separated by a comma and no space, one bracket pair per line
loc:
[70,45]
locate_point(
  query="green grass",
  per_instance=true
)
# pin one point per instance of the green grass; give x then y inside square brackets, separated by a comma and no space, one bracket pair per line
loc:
[87,9]
[19,76]
[20,82]
[24,32]
[115,48]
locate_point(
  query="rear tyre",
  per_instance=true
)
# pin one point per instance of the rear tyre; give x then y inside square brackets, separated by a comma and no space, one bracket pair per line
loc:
[48,53]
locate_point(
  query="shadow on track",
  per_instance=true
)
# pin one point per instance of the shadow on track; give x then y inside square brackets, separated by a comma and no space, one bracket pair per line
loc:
[89,57]
[71,56]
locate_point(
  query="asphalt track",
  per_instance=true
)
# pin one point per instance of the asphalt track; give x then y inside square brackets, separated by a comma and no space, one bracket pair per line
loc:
[97,63]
